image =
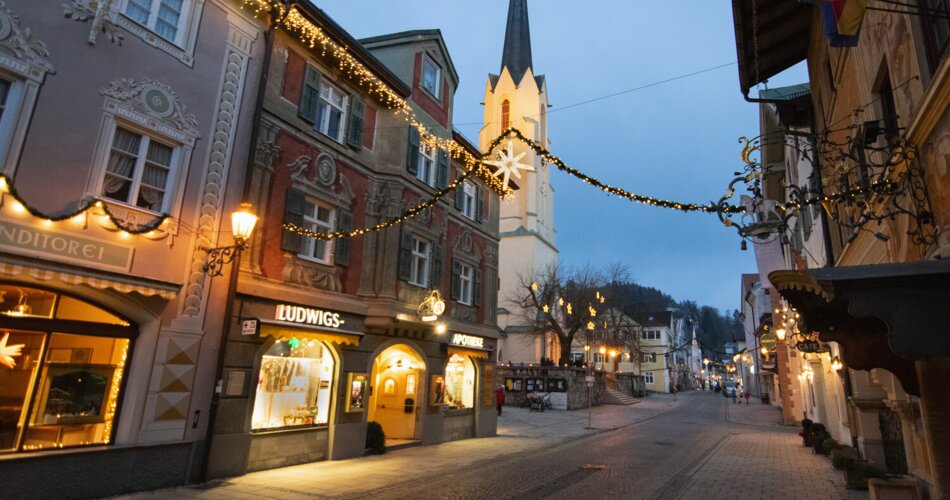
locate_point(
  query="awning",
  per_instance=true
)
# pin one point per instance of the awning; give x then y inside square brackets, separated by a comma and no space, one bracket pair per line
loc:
[772,40]
[11,266]
[283,329]
[475,353]
[884,316]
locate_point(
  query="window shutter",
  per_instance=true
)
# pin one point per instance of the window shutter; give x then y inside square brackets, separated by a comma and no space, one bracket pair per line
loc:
[354,134]
[479,203]
[293,213]
[435,280]
[456,288]
[460,197]
[442,176]
[412,155]
[477,288]
[344,222]
[309,94]
[405,256]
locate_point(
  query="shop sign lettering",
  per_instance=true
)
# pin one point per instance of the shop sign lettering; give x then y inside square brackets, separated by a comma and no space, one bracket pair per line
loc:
[809,346]
[308,316]
[463,340]
[21,238]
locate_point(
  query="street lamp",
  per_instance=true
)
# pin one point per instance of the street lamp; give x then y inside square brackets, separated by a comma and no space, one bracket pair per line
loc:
[243,221]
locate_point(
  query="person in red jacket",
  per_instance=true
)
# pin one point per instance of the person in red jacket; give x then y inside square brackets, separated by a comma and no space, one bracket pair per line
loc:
[499,397]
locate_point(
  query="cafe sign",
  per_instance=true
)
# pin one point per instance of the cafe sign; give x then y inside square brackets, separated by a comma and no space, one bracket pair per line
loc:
[308,316]
[809,346]
[33,241]
[470,341]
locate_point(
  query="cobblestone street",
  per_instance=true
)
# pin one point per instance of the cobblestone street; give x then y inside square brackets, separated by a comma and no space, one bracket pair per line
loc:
[690,447]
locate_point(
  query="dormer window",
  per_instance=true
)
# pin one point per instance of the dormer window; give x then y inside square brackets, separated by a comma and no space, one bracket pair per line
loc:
[431,77]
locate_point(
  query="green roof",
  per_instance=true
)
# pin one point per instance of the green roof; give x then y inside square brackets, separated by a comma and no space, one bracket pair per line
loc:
[785,93]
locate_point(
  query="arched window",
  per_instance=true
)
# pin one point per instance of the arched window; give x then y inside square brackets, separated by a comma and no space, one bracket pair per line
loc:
[293,387]
[505,114]
[459,382]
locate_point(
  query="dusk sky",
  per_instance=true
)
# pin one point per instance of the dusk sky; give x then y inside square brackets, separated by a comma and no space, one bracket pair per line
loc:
[676,140]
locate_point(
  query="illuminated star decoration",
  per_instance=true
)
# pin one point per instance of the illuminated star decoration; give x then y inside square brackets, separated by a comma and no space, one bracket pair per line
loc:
[7,352]
[294,342]
[508,165]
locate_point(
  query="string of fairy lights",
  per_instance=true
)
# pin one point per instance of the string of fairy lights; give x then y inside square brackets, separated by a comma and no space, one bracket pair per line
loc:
[293,21]
[97,207]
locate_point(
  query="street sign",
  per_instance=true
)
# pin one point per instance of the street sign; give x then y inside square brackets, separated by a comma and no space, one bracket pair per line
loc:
[249,327]
[590,383]
[589,379]
[768,341]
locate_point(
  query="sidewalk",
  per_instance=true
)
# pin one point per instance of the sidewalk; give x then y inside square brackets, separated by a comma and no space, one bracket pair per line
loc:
[519,431]
[755,413]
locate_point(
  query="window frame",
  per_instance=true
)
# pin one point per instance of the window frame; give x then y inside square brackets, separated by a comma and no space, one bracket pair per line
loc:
[186,35]
[321,123]
[466,283]
[469,194]
[172,183]
[934,54]
[648,378]
[435,93]
[419,262]
[432,158]
[314,224]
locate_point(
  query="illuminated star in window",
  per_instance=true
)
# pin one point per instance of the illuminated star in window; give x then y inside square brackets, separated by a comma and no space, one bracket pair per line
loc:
[508,165]
[7,352]
[294,342]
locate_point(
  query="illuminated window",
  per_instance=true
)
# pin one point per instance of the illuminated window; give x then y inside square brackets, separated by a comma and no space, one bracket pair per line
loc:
[64,389]
[505,114]
[294,384]
[459,382]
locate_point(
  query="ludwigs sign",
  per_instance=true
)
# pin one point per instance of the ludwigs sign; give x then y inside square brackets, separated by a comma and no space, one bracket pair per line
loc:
[462,340]
[308,316]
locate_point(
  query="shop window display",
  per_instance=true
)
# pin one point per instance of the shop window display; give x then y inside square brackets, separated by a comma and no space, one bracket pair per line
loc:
[459,383]
[294,385]
[62,390]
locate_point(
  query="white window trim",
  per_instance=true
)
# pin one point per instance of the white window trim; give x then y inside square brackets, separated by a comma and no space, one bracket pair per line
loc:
[469,193]
[438,77]
[181,158]
[174,167]
[413,263]
[324,126]
[648,378]
[310,222]
[183,47]
[25,73]
[466,284]
[433,163]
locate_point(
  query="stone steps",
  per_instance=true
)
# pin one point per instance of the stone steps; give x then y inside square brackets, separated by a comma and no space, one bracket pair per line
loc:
[615,397]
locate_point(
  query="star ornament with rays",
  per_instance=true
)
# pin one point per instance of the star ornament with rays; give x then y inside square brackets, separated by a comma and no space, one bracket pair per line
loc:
[8,352]
[508,165]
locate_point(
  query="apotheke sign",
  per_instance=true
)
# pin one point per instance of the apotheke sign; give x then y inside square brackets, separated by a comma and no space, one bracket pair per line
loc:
[308,316]
[462,340]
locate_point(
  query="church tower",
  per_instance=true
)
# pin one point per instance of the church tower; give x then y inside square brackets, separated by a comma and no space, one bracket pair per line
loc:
[517,97]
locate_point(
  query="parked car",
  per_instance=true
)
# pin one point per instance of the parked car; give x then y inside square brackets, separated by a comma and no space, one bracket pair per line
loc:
[729,389]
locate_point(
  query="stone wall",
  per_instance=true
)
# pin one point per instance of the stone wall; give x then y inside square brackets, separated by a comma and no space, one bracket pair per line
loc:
[280,449]
[631,385]
[566,385]
[458,424]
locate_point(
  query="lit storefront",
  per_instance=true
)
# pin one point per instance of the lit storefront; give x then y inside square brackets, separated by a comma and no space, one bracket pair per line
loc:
[62,365]
[461,383]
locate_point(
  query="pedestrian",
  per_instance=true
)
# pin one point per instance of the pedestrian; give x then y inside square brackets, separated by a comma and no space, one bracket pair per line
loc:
[746,396]
[735,399]
[499,397]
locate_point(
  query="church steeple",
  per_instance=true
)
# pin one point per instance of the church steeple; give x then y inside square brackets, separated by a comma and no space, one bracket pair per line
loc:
[517,52]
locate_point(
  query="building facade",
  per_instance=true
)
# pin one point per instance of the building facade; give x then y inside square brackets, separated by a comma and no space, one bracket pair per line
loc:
[517,98]
[122,140]
[877,100]
[327,335]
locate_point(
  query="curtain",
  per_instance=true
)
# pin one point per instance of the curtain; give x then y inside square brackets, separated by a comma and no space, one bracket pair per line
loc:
[138,10]
[169,14]
[125,147]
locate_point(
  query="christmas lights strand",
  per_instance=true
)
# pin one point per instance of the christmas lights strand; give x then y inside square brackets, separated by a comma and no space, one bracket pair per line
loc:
[295,22]
[7,188]
[406,215]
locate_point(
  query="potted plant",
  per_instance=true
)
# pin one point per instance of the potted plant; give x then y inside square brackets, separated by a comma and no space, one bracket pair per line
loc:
[828,445]
[842,456]
[805,434]
[375,439]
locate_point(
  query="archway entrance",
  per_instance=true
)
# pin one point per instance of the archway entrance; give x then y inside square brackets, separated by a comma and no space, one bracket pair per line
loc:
[398,377]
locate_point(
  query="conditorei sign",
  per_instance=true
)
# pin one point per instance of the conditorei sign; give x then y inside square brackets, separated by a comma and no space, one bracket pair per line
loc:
[469,341]
[30,240]
[308,316]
